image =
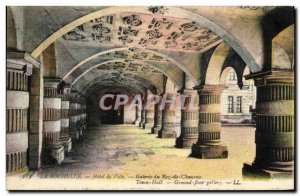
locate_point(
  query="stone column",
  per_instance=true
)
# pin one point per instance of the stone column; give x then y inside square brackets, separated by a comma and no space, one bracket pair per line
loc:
[274,136]
[149,114]
[64,121]
[168,119]
[78,119]
[17,107]
[177,120]
[157,117]
[209,144]
[73,131]
[143,114]
[83,114]
[53,149]
[138,115]
[189,119]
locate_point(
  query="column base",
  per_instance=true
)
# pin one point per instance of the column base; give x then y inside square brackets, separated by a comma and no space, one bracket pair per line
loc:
[148,126]
[185,142]
[58,153]
[209,152]
[83,128]
[83,125]
[155,130]
[141,124]
[74,134]
[19,171]
[251,171]
[166,134]
[80,131]
[67,143]
[53,153]
[137,122]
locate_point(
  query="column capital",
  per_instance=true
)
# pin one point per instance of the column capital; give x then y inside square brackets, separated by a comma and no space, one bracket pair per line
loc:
[181,90]
[272,77]
[66,93]
[51,82]
[189,91]
[66,87]
[213,89]
[22,58]
[20,66]
[52,88]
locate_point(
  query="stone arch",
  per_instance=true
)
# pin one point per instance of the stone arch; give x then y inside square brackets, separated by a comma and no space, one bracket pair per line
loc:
[126,90]
[11,30]
[172,12]
[94,98]
[277,20]
[96,82]
[224,74]
[245,73]
[239,75]
[283,49]
[280,59]
[177,83]
[178,67]
[133,90]
[274,22]
[215,65]
[170,87]
[222,58]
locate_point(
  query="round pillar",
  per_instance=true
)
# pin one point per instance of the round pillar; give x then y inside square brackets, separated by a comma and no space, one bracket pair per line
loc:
[157,117]
[17,107]
[168,119]
[143,117]
[78,119]
[73,131]
[53,150]
[209,145]
[64,121]
[189,119]
[138,115]
[143,114]
[82,114]
[149,120]
[274,136]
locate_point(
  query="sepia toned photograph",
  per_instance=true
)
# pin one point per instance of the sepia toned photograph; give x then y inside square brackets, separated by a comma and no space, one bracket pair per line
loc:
[150,98]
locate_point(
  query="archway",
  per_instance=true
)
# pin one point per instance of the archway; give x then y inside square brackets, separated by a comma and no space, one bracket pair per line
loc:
[90,52]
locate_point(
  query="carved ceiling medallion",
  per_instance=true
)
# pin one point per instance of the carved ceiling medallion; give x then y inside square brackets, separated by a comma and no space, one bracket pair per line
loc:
[132,20]
[157,9]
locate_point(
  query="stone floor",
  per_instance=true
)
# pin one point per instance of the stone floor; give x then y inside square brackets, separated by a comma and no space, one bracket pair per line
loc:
[128,157]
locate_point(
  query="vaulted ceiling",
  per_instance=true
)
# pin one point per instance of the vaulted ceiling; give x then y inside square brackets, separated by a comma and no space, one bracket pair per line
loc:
[140,47]
[145,30]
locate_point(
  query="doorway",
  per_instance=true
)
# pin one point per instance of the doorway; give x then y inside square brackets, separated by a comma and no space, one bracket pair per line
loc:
[112,116]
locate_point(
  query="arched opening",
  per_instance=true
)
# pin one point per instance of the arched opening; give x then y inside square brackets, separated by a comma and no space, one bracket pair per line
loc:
[191,70]
[237,103]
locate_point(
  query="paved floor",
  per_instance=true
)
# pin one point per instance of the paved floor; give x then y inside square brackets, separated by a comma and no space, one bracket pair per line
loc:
[128,157]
